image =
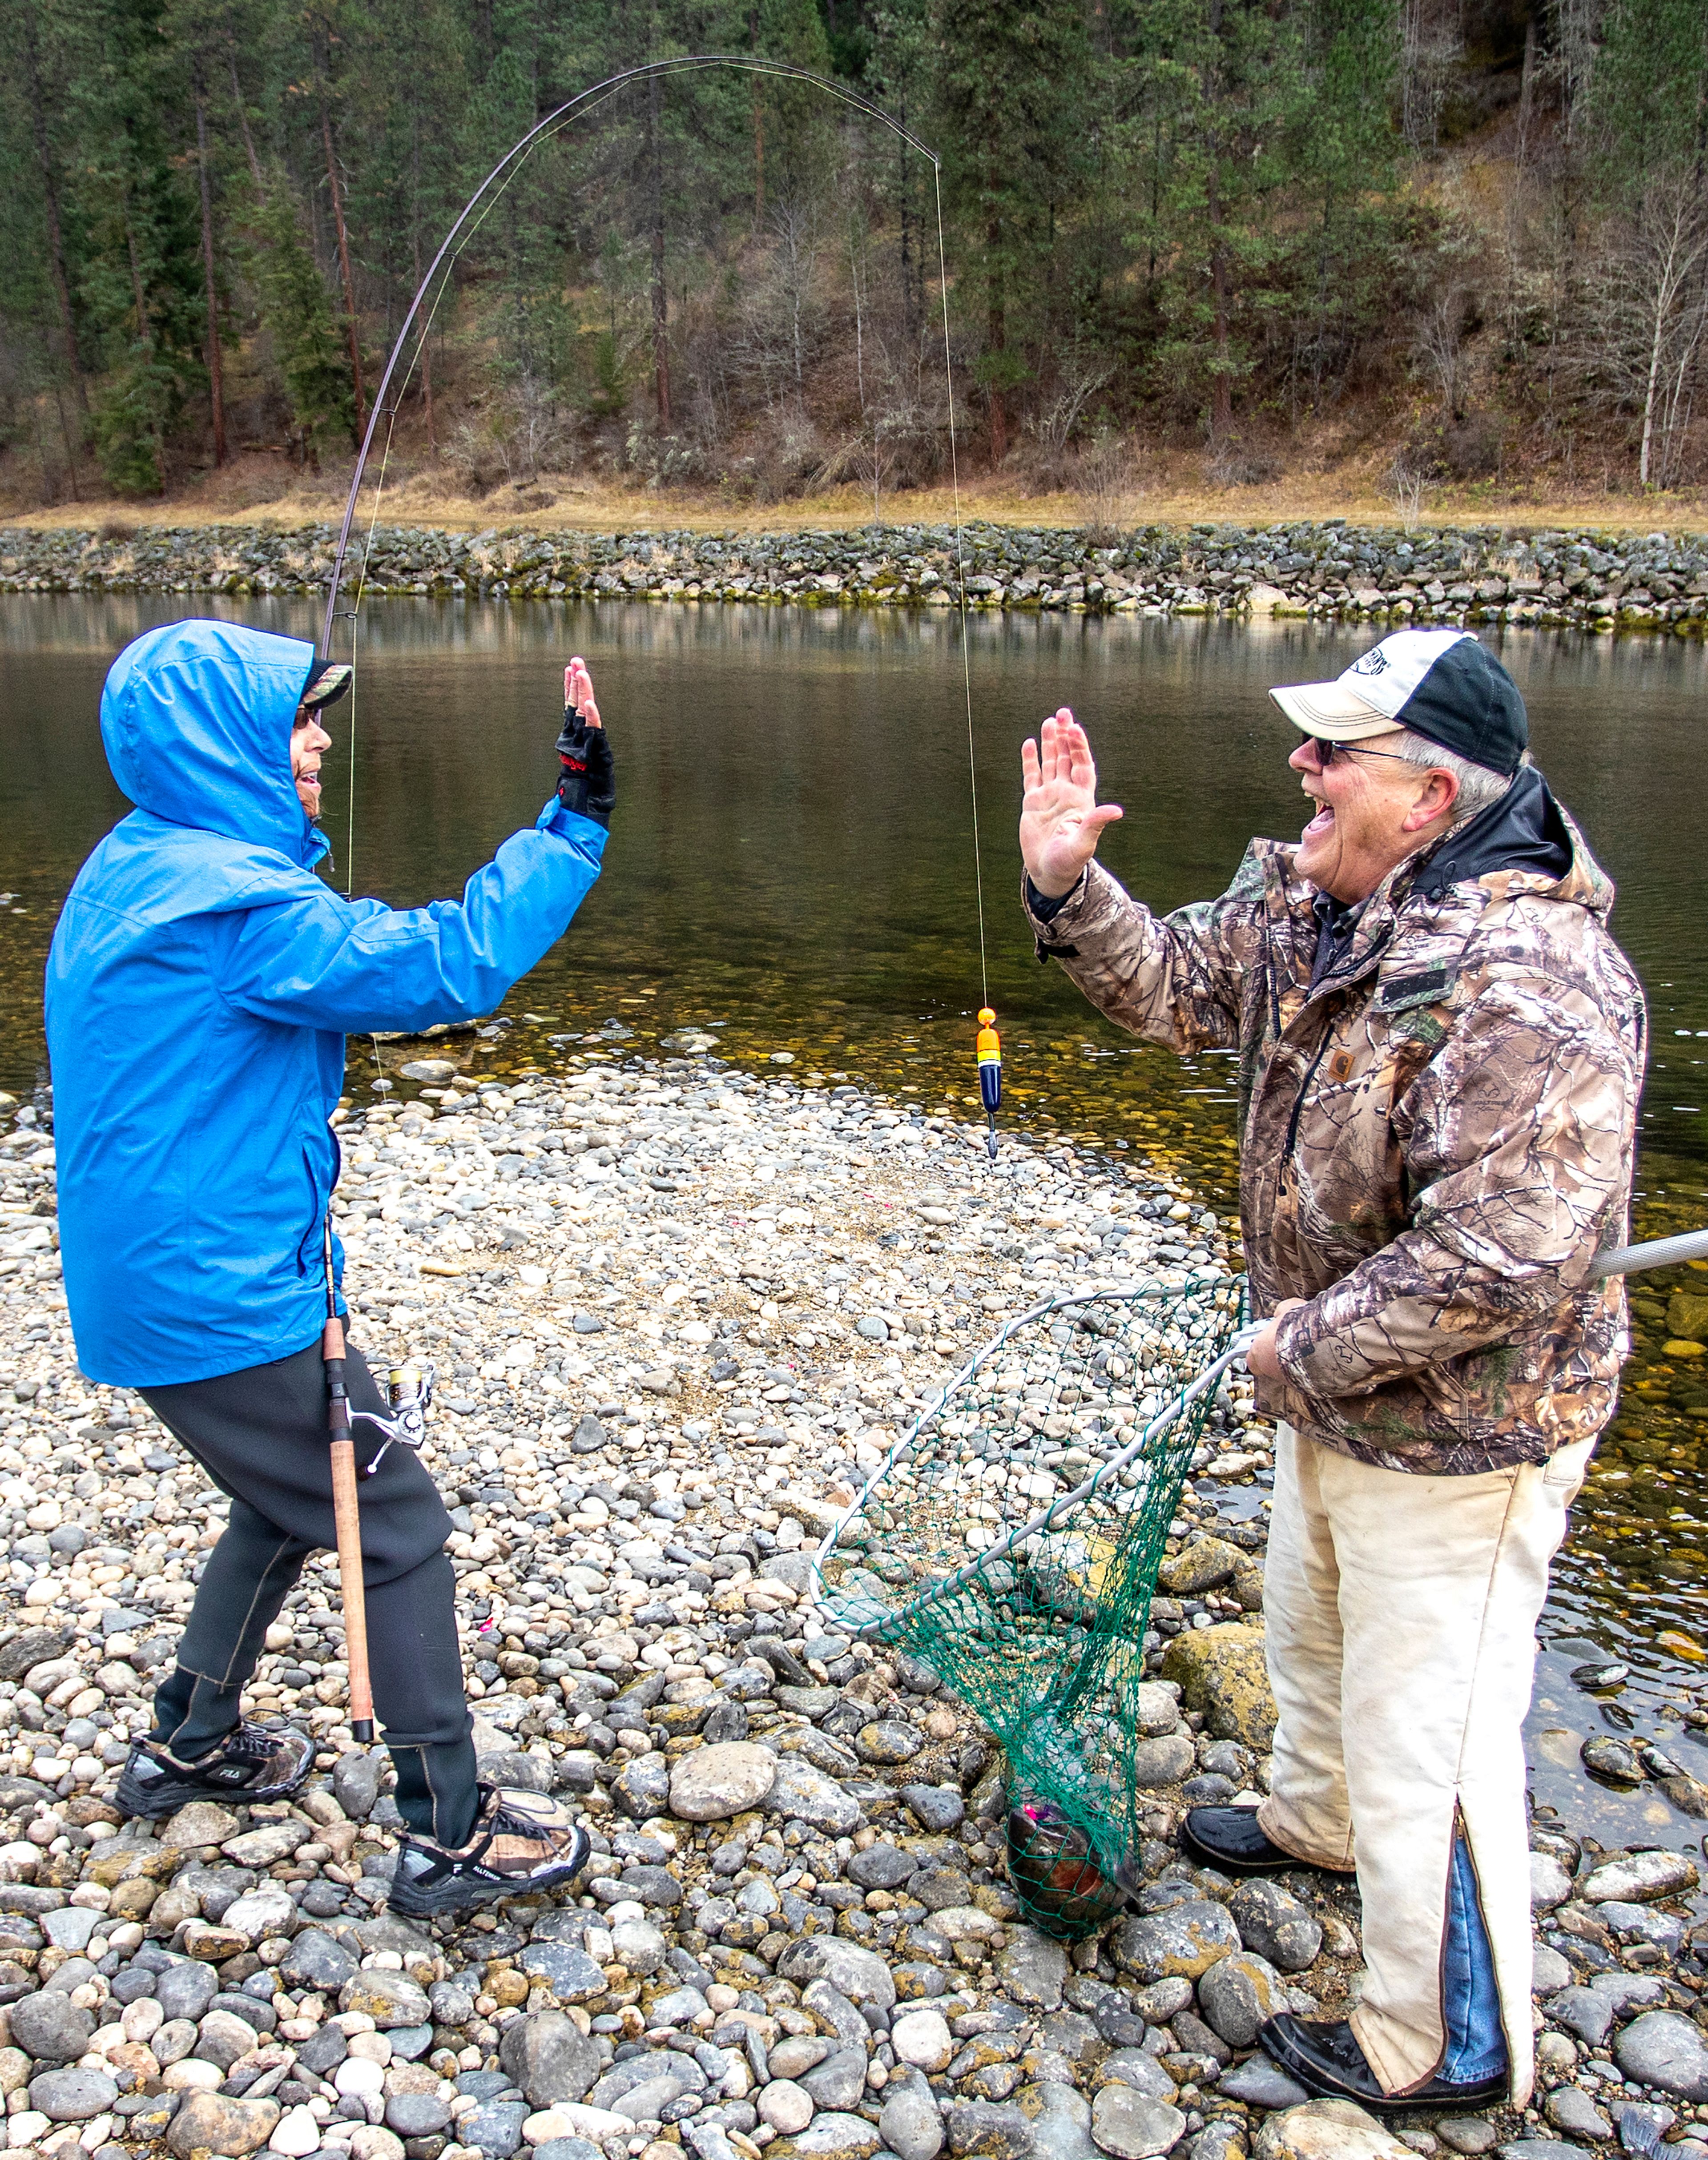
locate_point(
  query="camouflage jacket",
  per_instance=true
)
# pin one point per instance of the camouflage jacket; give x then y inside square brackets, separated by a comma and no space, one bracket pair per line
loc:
[1435,1141]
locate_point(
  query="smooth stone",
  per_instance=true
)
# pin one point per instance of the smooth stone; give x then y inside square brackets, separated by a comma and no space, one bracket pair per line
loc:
[642,1790]
[71,1927]
[881,1867]
[1326,2130]
[389,1998]
[52,2029]
[1138,2069]
[1275,1925]
[859,1975]
[1550,1884]
[1060,2122]
[316,1960]
[888,1741]
[1164,1761]
[828,2137]
[1641,1876]
[712,1784]
[494,2125]
[296,2135]
[1032,1970]
[1221,1673]
[184,1990]
[1570,2109]
[909,2123]
[988,2130]
[261,1911]
[1540,2148]
[1185,1941]
[1239,1995]
[639,1945]
[355,1782]
[838,2083]
[416,2114]
[200,1822]
[212,2123]
[1664,2049]
[72,2095]
[1205,1563]
[1260,2082]
[786,2106]
[1469,2134]
[1589,2012]
[922,2038]
[1549,1971]
[1129,2126]
[935,1808]
[570,1973]
[549,2057]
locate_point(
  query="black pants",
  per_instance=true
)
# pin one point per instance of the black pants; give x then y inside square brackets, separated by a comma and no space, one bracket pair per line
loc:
[261,1436]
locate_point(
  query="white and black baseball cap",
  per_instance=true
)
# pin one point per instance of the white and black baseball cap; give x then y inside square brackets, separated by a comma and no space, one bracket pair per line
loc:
[1443,685]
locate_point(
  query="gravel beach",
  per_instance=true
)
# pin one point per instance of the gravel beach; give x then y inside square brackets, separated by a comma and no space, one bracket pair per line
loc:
[679,1312]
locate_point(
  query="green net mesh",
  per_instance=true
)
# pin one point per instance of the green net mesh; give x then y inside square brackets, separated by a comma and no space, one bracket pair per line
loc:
[1011,1541]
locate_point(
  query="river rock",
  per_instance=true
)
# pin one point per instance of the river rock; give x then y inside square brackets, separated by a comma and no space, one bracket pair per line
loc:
[854,1973]
[72,2095]
[549,2057]
[1326,2130]
[212,2122]
[922,2039]
[1570,2109]
[1221,1674]
[1275,1925]
[803,1794]
[1032,1970]
[829,2137]
[988,2130]
[1260,2082]
[1204,1564]
[642,1790]
[389,1998]
[1139,2067]
[53,2029]
[1550,1884]
[495,2126]
[786,2105]
[1129,2126]
[416,2114]
[909,2123]
[712,1783]
[1185,1941]
[1664,2049]
[1164,1761]
[1640,1876]
[1237,1994]
[888,1741]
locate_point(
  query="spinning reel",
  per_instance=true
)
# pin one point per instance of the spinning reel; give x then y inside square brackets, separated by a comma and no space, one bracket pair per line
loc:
[409,1391]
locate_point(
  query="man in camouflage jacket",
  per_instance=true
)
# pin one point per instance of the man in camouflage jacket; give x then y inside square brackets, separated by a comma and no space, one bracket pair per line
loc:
[1441,1053]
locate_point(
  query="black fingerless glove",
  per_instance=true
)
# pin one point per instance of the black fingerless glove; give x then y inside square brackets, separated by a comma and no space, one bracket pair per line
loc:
[587,782]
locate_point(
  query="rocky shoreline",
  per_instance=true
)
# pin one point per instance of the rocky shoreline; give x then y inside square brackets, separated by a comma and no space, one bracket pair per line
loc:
[1579,579]
[679,1312]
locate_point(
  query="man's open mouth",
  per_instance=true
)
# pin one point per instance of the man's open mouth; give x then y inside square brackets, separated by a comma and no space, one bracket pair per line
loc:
[1323,821]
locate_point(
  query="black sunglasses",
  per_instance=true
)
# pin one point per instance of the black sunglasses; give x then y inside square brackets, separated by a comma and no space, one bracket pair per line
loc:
[1328,751]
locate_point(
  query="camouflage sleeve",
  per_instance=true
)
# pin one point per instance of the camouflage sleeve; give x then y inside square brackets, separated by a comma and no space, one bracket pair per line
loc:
[1174,979]
[1517,1142]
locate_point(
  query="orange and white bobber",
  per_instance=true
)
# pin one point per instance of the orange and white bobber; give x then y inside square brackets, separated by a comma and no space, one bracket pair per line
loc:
[989,1074]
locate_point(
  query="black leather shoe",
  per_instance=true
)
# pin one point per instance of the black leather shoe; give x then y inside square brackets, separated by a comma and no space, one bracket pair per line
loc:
[1327,2059]
[1228,1838]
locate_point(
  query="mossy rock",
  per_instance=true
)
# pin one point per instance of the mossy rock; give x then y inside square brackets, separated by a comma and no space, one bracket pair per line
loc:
[1221,1674]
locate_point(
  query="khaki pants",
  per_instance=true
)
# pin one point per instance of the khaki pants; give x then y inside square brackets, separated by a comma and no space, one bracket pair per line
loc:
[1401,1613]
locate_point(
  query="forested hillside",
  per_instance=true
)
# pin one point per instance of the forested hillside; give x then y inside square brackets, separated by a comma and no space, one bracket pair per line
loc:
[1467,237]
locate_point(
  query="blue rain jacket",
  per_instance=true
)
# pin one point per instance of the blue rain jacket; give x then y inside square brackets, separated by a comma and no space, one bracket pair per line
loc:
[201,982]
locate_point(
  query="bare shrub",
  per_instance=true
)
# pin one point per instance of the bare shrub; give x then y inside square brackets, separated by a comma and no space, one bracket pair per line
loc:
[1405,491]
[1106,485]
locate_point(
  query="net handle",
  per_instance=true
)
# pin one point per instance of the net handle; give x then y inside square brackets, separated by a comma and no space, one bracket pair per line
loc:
[1211,1375]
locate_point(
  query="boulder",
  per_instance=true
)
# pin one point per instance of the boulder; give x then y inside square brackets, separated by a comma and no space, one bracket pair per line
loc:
[1130,2125]
[1185,1941]
[1326,2130]
[1221,1675]
[711,1784]
[1640,1876]
[1275,1925]
[549,2057]
[1237,1994]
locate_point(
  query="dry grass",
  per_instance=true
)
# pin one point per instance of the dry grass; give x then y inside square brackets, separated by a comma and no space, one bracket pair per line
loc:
[261,491]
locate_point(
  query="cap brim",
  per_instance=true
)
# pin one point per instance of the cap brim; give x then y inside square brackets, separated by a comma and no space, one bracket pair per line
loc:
[1332,710]
[327,687]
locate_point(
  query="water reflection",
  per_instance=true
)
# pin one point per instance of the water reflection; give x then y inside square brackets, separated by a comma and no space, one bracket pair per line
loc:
[792,867]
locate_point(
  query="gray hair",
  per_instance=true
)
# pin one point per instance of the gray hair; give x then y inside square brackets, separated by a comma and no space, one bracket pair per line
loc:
[1478,787]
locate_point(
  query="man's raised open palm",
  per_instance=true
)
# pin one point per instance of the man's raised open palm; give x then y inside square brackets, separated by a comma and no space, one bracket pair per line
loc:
[1060,818]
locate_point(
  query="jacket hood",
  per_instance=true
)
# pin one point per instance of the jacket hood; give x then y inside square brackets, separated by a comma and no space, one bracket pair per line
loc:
[1525,829]
[196,722]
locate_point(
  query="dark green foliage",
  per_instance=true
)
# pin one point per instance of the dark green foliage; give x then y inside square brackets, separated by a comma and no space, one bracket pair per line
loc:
[1211,217]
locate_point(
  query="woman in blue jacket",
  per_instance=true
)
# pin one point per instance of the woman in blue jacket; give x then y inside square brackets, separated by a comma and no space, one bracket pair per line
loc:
[202,980]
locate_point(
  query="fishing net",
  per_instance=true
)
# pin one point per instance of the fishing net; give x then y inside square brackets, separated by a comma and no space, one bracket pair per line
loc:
[1011,1540]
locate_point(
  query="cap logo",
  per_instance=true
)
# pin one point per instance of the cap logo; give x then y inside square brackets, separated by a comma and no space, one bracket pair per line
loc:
[1373,663]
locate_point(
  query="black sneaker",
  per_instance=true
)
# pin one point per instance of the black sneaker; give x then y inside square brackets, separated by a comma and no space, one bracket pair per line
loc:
[522,1843]
[251,1762]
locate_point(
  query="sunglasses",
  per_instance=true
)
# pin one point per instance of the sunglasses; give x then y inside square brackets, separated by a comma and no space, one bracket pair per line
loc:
[1327,752]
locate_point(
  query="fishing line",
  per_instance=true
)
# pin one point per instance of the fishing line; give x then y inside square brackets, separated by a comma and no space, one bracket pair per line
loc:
[473,215]
[961,582]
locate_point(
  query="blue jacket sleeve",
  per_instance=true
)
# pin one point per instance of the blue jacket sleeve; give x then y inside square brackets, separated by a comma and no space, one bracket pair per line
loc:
[314,960]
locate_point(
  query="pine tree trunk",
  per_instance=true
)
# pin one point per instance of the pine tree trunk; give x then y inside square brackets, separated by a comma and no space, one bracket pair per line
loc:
[661,302]
[996,339]
[362,405]
[217,386]
[243,128]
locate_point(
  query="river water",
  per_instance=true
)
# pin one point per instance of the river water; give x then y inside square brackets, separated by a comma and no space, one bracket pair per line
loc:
[792,867]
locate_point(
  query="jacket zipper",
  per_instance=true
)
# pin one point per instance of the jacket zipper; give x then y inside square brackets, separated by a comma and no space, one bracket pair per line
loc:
[1299,1099]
